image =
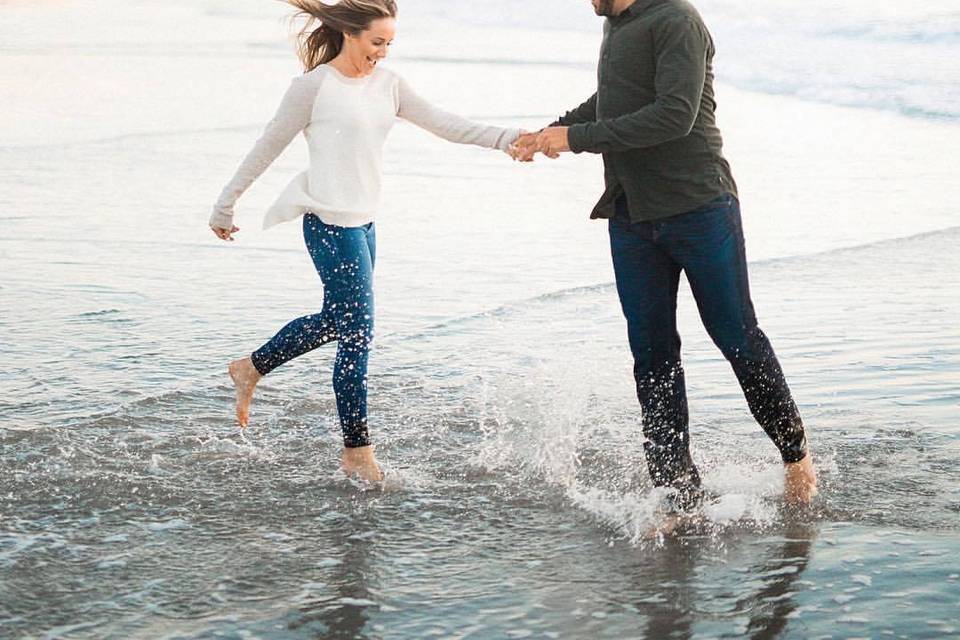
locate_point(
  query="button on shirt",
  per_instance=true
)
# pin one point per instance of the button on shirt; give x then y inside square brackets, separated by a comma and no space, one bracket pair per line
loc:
[653,115]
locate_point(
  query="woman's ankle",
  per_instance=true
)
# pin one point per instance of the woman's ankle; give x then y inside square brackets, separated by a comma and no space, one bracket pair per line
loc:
[359,455]
[360,462]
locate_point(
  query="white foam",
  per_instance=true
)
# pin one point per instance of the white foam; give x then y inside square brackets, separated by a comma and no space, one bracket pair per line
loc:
[544,435]
[167,525]
[357,602]
[230,446]
[329,562]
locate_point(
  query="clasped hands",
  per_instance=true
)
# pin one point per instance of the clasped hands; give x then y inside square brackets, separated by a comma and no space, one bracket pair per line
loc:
[550,141]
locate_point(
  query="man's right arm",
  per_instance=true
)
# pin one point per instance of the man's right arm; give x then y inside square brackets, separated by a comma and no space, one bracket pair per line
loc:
[587,112]
[526,143]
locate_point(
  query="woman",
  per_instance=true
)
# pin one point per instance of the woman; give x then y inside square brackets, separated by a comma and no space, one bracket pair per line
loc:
[346,104]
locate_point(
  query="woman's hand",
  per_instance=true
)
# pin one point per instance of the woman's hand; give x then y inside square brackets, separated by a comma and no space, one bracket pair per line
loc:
[545,141]
[519,148]
[225,234]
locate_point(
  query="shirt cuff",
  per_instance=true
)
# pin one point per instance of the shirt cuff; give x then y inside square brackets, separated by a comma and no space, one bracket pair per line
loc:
[221,219]
[578,138]
[507,138]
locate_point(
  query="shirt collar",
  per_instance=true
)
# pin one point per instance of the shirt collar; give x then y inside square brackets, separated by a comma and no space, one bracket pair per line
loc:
[636,9]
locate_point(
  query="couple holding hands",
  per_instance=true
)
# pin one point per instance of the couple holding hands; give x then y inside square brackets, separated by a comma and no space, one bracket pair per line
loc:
[670,200]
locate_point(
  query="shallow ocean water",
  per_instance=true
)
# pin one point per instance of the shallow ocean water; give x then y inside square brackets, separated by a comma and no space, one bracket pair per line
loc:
[501,397]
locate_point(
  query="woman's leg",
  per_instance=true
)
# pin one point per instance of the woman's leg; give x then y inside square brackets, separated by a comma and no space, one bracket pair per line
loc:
[333,253]
[344,257]
[295,339]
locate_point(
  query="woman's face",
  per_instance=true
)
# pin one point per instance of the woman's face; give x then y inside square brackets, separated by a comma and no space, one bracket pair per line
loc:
[369,47]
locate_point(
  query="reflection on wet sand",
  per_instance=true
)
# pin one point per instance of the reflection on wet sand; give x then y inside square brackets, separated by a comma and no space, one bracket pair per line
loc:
[771,606]
[679,570]
[346,614]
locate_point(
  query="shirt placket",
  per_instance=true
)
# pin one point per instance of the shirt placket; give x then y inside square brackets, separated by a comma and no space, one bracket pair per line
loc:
[605,57]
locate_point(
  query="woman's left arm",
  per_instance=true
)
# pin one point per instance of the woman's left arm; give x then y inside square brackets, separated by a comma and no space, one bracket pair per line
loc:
[292,117]
[450,126]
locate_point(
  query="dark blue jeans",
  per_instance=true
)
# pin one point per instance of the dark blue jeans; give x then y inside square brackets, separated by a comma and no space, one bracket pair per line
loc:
[344,257]
[648,257]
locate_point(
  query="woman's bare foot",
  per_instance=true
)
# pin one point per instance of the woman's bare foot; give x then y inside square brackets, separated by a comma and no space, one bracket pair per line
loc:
[245,377]
[360,463]
[800,483]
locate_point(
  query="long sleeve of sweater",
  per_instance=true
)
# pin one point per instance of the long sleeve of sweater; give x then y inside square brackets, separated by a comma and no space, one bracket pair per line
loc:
[292,117]
[345,121]
[450,126]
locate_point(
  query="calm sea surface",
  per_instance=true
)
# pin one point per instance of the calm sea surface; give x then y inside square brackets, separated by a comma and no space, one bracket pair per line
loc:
[501,391]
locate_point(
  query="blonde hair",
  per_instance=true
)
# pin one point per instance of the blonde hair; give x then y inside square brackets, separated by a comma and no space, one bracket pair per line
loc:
[320,40]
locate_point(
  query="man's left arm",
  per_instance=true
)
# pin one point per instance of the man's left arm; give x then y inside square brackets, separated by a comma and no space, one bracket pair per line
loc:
[682,46]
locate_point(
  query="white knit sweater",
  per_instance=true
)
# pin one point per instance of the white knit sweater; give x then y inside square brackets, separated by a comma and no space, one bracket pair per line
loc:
[345,121]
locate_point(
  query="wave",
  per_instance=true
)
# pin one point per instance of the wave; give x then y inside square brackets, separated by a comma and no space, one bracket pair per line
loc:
[501,61]
[523,304]
[140,135]
[501,310]
[918,237]
[945,30]
[881,55]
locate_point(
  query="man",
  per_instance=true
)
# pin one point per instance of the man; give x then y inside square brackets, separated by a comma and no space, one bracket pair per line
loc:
[672,206]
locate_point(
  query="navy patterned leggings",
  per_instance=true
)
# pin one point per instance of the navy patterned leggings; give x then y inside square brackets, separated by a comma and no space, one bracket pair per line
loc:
[344,258]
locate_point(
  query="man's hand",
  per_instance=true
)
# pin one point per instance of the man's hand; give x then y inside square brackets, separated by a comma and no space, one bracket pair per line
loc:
[553,141]
[225,234]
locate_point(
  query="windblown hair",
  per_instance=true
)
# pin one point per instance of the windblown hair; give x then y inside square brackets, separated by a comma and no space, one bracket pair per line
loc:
[321,38]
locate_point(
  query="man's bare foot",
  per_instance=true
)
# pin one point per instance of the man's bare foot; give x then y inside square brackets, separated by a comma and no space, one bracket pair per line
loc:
[245,377]
[800,483]
[665,526]
[360,463]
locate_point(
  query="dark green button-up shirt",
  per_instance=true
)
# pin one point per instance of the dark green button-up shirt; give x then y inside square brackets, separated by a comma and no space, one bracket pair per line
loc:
[652,116]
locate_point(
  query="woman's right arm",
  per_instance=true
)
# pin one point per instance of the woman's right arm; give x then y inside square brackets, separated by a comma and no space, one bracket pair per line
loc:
[291,118]
[449,126]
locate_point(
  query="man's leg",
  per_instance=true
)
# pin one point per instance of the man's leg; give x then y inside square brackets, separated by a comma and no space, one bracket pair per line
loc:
[647,281]
[709,244]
